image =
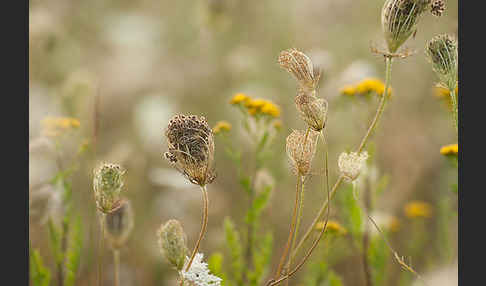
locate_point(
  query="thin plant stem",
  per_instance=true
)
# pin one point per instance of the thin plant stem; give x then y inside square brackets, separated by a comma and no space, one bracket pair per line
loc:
[371,128]
[116,262]
[203,226]
[101,246]
[454,108]
[366,236]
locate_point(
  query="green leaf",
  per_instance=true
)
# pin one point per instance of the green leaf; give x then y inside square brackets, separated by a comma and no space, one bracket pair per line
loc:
[55,238]
[382,184]
[258,205]
[378,256]
[261,259]
[73,252]
[39,275]
[245,183]
[352,213]
[334,279]
[234,244]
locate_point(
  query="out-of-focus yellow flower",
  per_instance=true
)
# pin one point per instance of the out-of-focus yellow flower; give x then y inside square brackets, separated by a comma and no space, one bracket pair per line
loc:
[443,93]
[417,209]
[451,149]
[332,226]
[253,111]
[221,126]
[270,109]
[348,90]
[366,86]
[239,98]
[394,224]
[277,124]
[56,126]
[255,103]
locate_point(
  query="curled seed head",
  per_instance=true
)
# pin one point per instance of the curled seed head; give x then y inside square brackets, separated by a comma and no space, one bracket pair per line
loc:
[350,164]
[399,20]
[119,224]
[437,7]
[191,148]
[107,185]
[172,243]
[442,52]
[301,148]
[300,66]
[312,109]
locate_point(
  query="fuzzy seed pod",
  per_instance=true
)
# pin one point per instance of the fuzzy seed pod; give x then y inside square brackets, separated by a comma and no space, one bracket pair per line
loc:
[350,164]
[191,148]
[437,7]
[119,224]
[312,109]
[300,66]
[399,20]
[442,52]
[172,243]
[107,184]
[301,149]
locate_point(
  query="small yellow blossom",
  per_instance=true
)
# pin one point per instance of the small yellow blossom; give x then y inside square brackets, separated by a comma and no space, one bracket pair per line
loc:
[417,209]
[394,224]
[239,98]
[221,126]
[332,226]
[348,90]
[55,126]
[277,124]
[270,109]
[451,149]
[371,85]
[255,103]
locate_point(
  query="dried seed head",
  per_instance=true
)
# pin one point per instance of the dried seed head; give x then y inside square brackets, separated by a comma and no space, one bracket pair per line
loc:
[172,243]
[107,184]
[437,7]
[350,164]
[119,224]
[300,66]
[191,148]
[301,148]
[442,52]
[399,20]
[312,109]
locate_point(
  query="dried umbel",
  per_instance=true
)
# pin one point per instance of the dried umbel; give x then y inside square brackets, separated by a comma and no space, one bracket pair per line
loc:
[350,164]
[300,66]
[437,7]
[442,52]
[191,148]
[399,20]
[301,148]
[107,184]
[312,109]
[172,243]
[119,224]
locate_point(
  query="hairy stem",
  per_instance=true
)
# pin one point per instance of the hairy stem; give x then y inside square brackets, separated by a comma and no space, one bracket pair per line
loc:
[454,108]
[370,130]
[116,262]
[203,226]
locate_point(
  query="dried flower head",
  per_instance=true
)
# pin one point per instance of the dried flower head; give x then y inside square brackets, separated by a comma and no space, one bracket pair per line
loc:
[350,164]
[418,209]
[399,20]
[172,243]
[191,148]
[119,224]
[198,274]
[107,184]
[437,7]
[313,110]
[301,148]
[442,52]
[300,66]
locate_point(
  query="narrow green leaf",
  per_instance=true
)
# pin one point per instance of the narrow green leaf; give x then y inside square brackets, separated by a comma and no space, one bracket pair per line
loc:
[234,244]
[39,275]
[73,252]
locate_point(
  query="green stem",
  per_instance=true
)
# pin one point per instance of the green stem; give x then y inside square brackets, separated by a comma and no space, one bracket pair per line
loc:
[203,226]
[371,128]
[101,245]
[116,261]
[454,108]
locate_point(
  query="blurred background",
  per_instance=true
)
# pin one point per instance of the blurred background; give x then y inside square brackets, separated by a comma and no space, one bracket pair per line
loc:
[143,61]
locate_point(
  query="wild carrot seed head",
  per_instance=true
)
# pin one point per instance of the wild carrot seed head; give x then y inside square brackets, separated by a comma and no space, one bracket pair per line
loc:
[107,184]
[312,110]
[300,66]
[442,52]
[437,7]
[351,164]
[301,149]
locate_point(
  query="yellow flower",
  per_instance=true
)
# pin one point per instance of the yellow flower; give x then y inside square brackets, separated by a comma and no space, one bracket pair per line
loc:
[371,85]
[55,126]
[239,98]
[348,90]
[451,149]
[255,103]
[221,126]
[332,226]
[394,224]
[277,124]
[417,209]
[253,111]
[270,109]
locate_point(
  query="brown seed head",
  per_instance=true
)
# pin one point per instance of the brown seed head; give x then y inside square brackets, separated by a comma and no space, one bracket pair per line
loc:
[300,151]
[191,148]
[437,7]
[300,66]
[442,52]
[312,109]
[119,224]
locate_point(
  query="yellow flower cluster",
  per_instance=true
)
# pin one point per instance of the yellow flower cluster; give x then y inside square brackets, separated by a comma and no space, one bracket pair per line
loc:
[55,126]
[332,226]
[451,149]
[221,126]
[417,209]
[366,86]
[256,106]
[443,93]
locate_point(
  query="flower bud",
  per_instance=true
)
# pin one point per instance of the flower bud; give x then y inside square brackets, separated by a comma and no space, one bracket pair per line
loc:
[172,243]
[442,52]
[350,164]
[107,184]
[312,110]
[301,148]
[119,224]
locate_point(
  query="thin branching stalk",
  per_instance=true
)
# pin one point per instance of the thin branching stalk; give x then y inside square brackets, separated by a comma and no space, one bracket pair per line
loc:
[371,128]
[203,226]
[116,262]
[454,108]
